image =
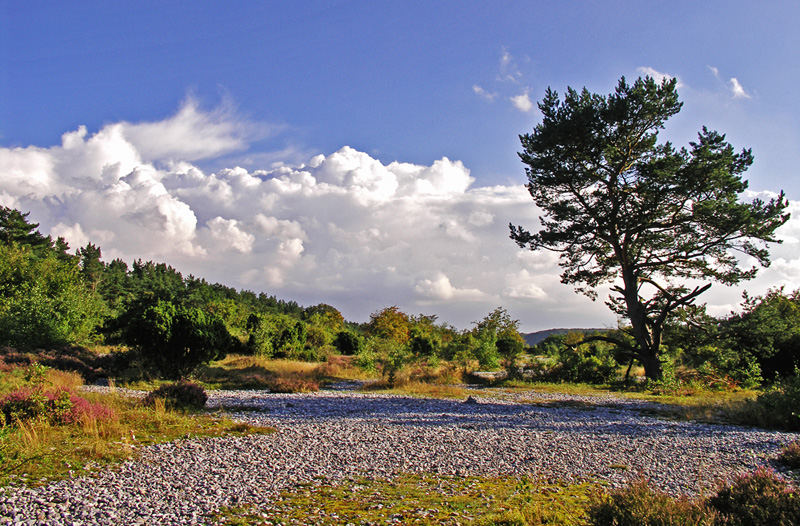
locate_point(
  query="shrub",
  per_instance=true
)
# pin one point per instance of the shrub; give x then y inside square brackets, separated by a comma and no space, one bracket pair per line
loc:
[790,455]
[640,505]
[22,405]
[760,498]
[59,407]
[588,363]
[775,408]
[179,395]
[347,343]
[174,338]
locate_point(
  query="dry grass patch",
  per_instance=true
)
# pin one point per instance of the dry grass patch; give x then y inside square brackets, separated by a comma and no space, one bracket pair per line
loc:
[282,376]
[418,389]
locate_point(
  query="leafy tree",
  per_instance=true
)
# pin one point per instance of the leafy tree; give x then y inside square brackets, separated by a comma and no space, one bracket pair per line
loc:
[621,208]
[174,338]
[390,323]
[115,285]
[15,228]
[292,342]
[497,325]
[767,332]
[43,300]
[347,342]
[91,266]
[423,345]
[510,349]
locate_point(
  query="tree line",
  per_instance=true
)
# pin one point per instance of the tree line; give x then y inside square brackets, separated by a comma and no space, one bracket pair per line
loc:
[52,297]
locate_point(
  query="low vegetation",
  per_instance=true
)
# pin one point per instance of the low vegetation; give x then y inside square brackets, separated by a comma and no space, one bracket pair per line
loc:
[50,430]
[758,499]
[424,499]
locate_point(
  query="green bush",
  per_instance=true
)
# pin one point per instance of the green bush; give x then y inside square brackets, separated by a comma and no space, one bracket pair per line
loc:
[347,343]
[758,499]
[587,363]
[44,301]
[174,338]
[776,408]
[179,395]
[279,336]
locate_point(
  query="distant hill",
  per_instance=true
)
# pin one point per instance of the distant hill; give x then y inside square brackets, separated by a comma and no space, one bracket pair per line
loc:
[532,338]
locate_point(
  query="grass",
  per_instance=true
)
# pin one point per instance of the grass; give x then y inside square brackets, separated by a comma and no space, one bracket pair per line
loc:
[760,498]
[424,499]
[685,403]
[418,389]
[35,451]
[255,372]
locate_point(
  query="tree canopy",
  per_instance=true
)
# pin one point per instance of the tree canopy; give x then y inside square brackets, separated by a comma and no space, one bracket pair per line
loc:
[656,222]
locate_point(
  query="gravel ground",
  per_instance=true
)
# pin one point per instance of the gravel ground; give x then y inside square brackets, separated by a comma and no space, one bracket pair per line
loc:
[333,435]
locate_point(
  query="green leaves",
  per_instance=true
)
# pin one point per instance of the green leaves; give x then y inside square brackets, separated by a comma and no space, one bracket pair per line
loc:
[616,204]
[174,338]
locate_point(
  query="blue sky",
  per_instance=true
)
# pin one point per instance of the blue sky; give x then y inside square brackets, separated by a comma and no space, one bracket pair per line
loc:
[177,95]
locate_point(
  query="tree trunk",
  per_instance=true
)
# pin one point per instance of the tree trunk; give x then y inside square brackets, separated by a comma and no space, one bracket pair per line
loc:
[652,366]
[648,347]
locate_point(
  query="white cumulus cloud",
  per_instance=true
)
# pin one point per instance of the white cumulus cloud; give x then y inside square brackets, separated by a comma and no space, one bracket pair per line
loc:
[522,102]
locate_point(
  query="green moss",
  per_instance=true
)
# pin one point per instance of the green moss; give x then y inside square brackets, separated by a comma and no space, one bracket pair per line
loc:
[424,499]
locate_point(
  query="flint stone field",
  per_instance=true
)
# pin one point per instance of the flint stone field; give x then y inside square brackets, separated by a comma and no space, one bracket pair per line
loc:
[334,435]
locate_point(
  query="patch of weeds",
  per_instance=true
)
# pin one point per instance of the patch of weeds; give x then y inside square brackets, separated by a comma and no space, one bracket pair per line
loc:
[423,499]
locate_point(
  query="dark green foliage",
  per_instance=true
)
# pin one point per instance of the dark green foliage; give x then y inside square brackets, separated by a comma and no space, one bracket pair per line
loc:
[592,362]
[16,230]
[179,395]
[175,339]
[422,346]
[618,205]
[639,505]
[510,348]
[292,341]
[776,408]
[759,499]
[347,342]
[766,332]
